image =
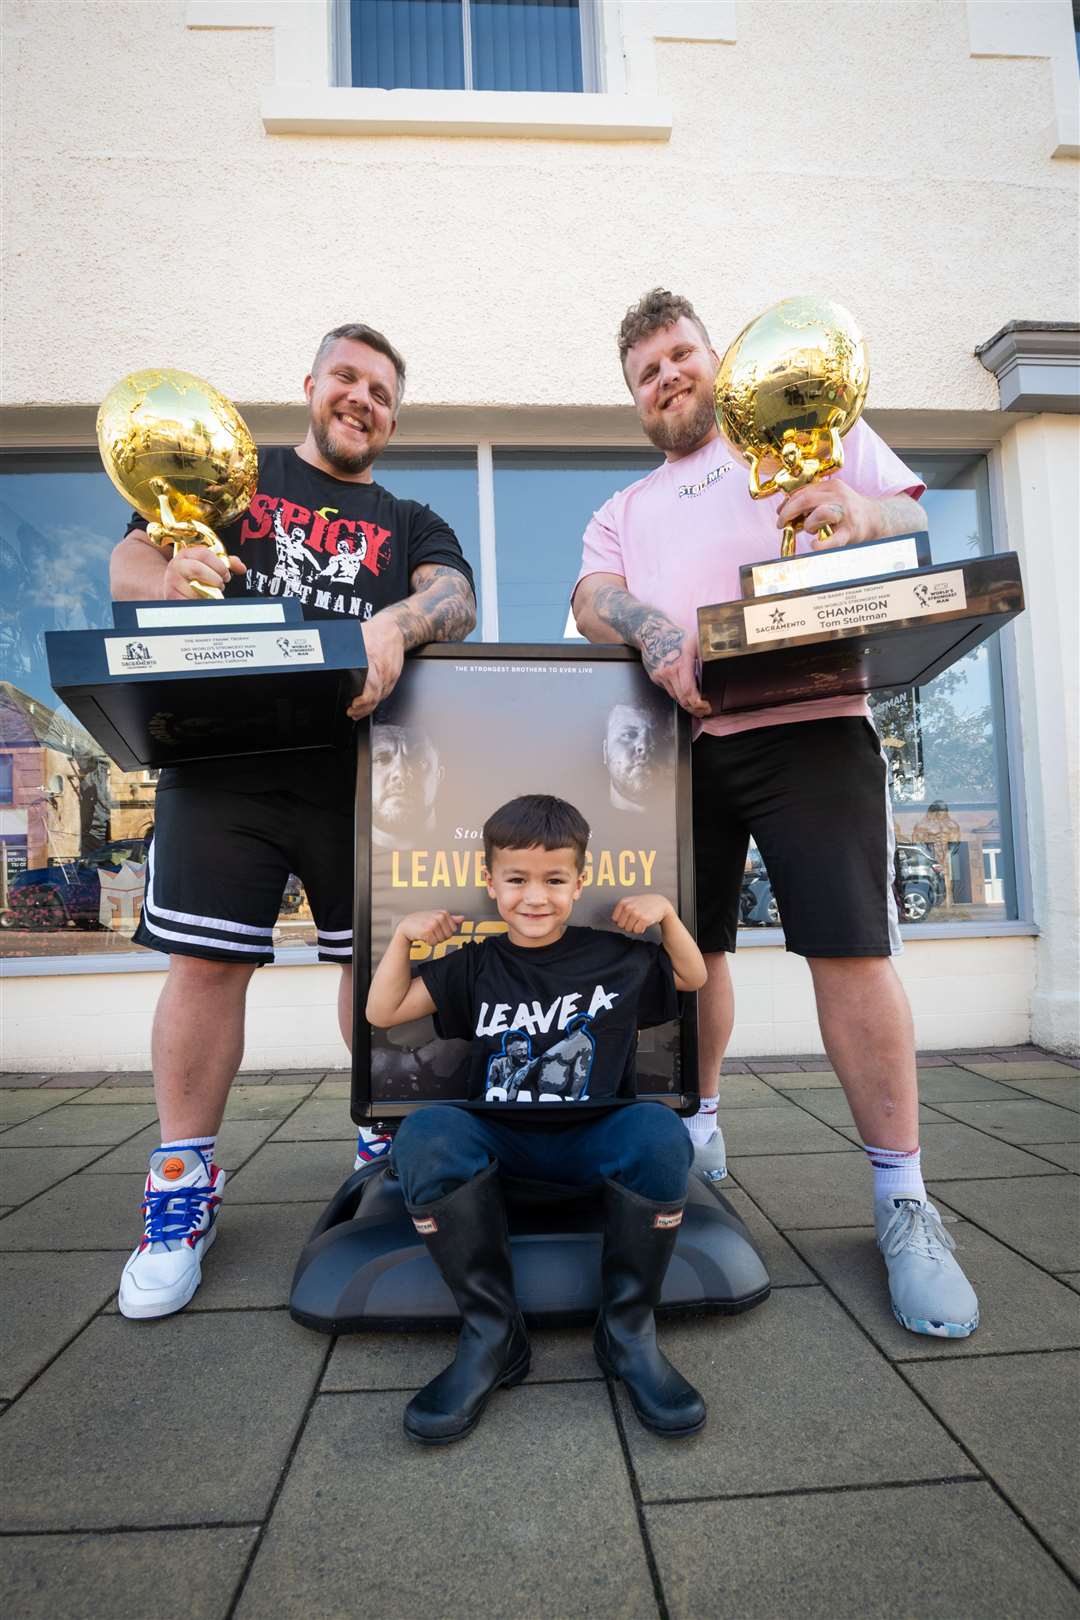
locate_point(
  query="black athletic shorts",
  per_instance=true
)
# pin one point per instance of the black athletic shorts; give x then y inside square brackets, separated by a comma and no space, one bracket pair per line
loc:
[814,796]
[218,865]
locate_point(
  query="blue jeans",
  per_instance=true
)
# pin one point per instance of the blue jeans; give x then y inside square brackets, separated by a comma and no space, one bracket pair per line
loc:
[644,1145]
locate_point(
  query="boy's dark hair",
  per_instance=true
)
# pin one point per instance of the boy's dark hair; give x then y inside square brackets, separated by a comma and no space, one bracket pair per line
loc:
[652,312]
[359,332]
[536,821]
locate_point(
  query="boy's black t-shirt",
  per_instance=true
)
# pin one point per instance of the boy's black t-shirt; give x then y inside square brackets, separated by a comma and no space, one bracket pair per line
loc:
[347,551]
[554,1027]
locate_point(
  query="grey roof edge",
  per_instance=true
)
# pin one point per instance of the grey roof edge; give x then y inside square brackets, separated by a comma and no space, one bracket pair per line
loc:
[1037,365]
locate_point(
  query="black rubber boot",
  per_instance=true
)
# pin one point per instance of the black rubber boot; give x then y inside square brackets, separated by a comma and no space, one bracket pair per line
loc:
[467,1238]
[639,1237]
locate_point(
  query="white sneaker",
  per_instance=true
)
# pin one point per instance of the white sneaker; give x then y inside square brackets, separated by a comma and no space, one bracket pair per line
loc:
[183,1192]
[710,1159]
[370,1147]
[929,1292]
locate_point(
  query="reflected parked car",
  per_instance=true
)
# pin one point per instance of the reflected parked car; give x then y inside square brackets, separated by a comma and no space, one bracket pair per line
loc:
[918,884]
[757,903]
[68,894]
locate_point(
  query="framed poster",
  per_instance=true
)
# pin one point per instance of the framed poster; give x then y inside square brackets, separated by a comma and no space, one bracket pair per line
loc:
[467,728]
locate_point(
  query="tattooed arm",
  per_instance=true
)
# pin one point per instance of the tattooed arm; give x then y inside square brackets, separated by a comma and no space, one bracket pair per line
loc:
[604,610]
[441,607]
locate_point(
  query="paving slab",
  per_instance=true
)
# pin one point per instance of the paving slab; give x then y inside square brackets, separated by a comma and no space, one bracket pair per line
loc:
[318,1121]
[531,1517]
[73,1126]
[797,1399]
[1072,1278]
[831,1107]
[25,1172]
[251,1264]
[747,1091]
[950,1084]
[334,1088]
[802,1079]
[1064,1154]
[1017,1416]
[15,1080]
[84,1212]
[42,1577]
[1021,1121]
[405,1361]
[936,1551]
[952,1151]
[264,1102]
[293,1172]
[1062,1090]
[808,1189]
[785,1268]
[237,1141]
[298,1077]
[784,1129]
[129,1077]
[47,1299]
[1039,1069]
[1021,1308]
[83,1077]
[68,1462]
[112,1096]
[15,1106]
[1037,1215]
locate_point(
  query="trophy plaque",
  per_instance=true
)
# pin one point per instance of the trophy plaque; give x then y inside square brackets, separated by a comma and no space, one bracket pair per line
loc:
[876,616]
[179,681]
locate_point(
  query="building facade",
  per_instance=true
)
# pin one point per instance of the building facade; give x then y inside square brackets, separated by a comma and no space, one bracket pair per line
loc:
[212,184]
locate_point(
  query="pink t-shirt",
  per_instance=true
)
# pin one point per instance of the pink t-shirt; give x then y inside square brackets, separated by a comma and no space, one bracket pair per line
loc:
[678,536]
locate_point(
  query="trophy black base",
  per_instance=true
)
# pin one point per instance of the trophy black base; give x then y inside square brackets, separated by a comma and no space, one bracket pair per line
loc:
[866,635]
[364,1267]
[175,682]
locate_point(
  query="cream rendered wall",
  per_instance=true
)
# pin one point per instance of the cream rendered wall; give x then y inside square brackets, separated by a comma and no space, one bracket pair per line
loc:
[154,219]
[150,218]
[973,992]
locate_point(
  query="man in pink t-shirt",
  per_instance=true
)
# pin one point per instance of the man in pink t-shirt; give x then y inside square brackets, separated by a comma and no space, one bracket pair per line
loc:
[807,780]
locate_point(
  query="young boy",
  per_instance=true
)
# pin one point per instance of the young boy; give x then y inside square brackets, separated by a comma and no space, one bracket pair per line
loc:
[552,1012]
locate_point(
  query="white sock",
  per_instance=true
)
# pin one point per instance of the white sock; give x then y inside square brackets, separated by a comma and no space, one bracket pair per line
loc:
[205,1145]
[896,1175]
[702,1125]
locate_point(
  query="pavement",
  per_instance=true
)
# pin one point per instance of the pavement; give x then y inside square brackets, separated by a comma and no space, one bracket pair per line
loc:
[228,1462]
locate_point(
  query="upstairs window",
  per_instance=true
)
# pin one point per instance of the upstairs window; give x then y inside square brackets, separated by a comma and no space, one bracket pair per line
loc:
[467,44]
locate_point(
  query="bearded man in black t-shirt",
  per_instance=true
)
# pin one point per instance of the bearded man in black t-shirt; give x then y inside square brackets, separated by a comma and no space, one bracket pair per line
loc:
[228,834]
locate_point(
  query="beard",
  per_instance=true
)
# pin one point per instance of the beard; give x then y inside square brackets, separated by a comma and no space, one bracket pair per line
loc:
[685,432]
[346,461]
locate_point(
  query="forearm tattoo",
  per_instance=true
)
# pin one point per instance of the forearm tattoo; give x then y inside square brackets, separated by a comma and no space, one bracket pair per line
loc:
[441,608]
[900,514]
[658,638]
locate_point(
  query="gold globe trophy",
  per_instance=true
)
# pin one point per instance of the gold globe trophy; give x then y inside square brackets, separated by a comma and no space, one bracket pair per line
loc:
[789,387]
[181,453]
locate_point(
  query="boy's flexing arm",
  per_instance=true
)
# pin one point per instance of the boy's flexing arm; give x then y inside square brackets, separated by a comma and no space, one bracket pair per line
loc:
[395,997]
[637,912]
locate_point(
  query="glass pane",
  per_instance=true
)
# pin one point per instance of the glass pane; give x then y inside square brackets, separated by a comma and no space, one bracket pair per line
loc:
[407,44]
[73,827]
[946,740]
[543,502]
[526,44]
[445,480]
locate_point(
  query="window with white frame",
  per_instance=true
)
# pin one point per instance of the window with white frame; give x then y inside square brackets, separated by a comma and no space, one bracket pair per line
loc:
[548,45]
[72,825]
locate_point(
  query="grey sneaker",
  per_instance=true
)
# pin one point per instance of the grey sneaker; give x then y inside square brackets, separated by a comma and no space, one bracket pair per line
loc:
[930,1293]
[710,1160]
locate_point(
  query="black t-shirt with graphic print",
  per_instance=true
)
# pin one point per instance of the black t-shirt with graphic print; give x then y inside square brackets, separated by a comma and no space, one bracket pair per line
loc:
[553,1028]
[346,550]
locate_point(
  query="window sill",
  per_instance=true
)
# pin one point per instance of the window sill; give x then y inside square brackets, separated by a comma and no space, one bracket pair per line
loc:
[302,110]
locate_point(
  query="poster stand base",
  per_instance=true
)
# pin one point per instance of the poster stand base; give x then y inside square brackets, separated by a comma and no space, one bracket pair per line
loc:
[364,1267]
